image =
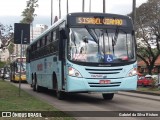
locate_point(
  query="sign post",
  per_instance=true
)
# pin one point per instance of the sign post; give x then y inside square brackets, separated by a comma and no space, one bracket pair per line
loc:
[21,36]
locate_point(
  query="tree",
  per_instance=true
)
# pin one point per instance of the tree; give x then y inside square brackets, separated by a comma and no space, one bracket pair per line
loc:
[148,32]
[2,64]
[11,49]
[6,35]
[28,13]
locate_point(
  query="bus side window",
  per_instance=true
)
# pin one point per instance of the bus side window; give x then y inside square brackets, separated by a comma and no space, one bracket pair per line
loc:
[54,35]
[47,39]
[50,39]
[43,41]
[38,44]
[57,34]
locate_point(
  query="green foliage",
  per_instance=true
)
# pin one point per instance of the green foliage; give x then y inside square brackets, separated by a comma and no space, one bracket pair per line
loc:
[28,13]
[2,64]
[6,35]
[11,101]
[11,48]
[147,32]
[153,84]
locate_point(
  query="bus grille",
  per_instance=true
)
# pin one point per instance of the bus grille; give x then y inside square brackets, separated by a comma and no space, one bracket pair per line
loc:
[104,71]
[113,84]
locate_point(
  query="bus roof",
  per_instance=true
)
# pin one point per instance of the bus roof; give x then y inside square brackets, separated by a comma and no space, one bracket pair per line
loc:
[48,30]
[98,14]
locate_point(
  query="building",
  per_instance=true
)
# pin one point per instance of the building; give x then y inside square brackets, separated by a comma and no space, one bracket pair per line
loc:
[37,30]
[143,69]
[34,32]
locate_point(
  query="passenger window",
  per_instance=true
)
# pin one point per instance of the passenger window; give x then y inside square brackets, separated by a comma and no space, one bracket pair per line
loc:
[54,35]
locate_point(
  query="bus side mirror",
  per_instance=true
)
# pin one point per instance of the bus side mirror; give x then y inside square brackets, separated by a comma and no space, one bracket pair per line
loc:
[62,43]
[63,34]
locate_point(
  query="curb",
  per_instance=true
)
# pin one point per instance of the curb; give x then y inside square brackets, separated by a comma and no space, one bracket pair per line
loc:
[147,93]
[139,94]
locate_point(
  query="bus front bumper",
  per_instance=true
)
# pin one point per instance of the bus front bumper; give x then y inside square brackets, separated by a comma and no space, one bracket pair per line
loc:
[23,77]
[75,84]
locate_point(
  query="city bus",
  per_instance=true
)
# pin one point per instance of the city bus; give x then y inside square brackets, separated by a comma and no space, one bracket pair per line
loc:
[84,52]
[17,67]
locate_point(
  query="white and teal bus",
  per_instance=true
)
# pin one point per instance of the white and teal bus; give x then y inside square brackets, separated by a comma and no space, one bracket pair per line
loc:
[84,52]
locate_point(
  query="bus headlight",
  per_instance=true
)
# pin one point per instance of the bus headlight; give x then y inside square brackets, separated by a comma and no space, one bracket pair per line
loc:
[132,72]
[73,72]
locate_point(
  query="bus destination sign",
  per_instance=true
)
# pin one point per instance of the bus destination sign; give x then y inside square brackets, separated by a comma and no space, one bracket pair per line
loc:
[100,21]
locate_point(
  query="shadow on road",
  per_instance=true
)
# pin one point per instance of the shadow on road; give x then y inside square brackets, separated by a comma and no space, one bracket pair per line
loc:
[78,97]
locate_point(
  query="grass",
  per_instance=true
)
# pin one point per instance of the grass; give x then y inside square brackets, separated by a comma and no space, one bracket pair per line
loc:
[11,101]
[149,89]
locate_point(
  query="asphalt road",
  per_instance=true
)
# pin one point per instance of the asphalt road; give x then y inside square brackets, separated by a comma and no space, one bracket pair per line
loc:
[127,104]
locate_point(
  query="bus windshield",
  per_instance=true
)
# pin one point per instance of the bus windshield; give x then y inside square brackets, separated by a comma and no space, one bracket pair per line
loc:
[22,65]
[101,45]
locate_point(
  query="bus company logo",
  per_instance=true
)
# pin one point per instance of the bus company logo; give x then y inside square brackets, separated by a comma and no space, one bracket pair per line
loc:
[97,76]
[6,114]
[104,76]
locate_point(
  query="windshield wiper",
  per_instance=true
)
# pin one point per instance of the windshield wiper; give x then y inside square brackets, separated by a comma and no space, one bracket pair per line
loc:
[91,33]
[95,37]
[114,39]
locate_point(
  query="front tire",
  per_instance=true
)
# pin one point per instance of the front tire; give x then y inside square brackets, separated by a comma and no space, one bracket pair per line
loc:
[108,96]
[36,87]
[59,94]
[34,84]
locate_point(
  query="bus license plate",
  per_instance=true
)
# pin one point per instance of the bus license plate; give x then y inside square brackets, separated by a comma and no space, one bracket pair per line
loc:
[104,81]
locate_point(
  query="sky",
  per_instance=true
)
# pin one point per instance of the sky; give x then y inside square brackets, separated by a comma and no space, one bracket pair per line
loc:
[11,10]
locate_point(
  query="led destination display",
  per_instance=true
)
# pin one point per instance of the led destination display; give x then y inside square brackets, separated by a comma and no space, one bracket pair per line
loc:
[100,21]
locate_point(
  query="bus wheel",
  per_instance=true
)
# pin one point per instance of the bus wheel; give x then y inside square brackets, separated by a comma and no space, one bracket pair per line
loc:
[59,94]
[108,96]
[31,84]
[36,87]
[34,84]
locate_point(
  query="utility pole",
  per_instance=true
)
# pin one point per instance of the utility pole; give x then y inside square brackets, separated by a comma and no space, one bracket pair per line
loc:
[82,5]
[59,9]
[134,12]
[67,6]
[89,5]
[51,12]
[104,6]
